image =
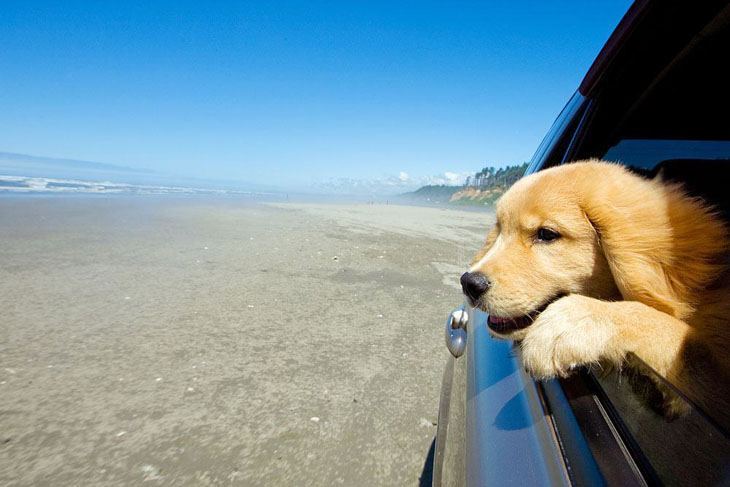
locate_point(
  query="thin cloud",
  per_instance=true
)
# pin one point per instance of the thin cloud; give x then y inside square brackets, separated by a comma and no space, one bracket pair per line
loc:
[389,185]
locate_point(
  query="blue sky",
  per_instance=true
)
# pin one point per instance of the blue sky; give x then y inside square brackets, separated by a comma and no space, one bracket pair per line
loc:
[293,93]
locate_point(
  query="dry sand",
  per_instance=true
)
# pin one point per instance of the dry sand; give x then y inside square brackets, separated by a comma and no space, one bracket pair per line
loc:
[191,341]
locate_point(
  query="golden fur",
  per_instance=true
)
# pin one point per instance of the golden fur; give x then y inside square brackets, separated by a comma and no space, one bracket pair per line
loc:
[639,268]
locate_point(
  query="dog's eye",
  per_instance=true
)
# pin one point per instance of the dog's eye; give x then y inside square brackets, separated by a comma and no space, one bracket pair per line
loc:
[546,235]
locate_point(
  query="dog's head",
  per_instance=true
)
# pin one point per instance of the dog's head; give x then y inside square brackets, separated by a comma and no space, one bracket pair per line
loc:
[542,247]
[592,229]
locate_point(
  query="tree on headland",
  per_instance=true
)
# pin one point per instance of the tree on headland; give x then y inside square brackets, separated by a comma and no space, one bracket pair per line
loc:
[491,177]
[483,188]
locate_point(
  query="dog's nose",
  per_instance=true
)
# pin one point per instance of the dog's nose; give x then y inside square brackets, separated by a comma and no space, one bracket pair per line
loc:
[474,284]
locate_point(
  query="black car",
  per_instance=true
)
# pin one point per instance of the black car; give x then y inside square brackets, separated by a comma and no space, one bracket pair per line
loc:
[656,99]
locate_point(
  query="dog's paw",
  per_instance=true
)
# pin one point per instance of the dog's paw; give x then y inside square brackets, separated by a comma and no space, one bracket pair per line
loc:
[572,331]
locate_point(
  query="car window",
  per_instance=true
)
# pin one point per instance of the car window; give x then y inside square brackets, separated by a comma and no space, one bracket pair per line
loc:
[649,154]
[678,129]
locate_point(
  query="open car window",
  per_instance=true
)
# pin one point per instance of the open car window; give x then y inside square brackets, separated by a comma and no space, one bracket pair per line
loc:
[677,130]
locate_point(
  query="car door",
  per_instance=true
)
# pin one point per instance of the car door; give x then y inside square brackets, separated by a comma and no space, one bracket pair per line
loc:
[492,424]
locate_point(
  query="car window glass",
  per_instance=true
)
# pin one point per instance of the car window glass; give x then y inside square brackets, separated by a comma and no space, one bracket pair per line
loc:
[689,448]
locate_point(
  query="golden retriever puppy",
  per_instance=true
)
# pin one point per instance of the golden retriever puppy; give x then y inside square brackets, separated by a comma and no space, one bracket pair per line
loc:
[588,263]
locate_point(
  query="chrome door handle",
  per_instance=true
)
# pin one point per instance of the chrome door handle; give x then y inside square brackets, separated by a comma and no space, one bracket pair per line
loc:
[456,332]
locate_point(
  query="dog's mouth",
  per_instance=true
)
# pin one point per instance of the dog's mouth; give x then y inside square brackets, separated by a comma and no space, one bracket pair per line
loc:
[503,324]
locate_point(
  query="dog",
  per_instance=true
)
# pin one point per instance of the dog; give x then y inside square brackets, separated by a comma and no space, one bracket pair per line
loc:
[589,264]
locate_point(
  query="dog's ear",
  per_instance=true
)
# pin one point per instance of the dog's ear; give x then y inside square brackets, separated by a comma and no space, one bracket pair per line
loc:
[662,246]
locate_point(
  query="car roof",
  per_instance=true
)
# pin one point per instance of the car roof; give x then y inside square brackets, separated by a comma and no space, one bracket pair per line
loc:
[648,37]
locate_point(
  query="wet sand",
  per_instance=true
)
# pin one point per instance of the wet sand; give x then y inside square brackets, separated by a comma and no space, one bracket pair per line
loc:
[203,341]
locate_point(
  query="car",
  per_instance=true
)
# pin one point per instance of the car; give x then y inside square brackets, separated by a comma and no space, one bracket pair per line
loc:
[657,100]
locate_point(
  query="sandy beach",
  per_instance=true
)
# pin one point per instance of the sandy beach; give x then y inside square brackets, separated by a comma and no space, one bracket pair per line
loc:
[217,341]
